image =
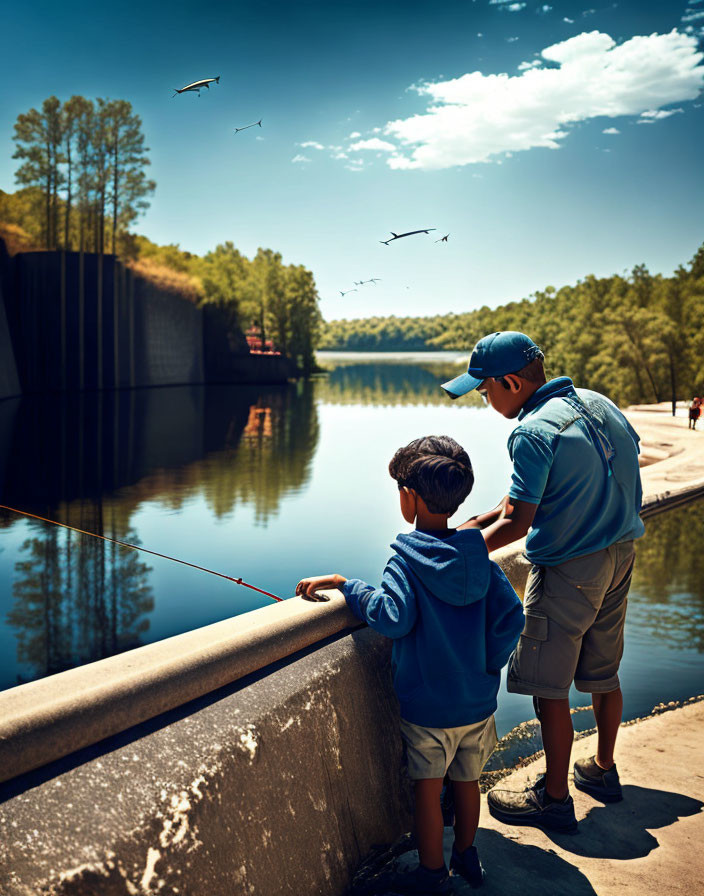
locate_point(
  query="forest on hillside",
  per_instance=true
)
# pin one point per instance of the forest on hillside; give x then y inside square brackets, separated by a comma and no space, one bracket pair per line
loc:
[638,338]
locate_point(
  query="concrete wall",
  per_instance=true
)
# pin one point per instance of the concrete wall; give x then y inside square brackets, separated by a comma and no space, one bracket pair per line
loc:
[9,380]
[84,321]
[278,785]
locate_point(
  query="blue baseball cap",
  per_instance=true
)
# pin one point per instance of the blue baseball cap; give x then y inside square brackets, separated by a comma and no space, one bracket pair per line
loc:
[494,355]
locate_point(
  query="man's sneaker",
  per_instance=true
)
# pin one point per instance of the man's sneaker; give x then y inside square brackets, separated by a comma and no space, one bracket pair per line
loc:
[530,807]
[467,865]
[420,881]
[596,781]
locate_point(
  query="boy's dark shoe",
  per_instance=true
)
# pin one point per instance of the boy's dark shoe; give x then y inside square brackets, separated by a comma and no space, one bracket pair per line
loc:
[532,806]
[601,783]
[467,865]
[420,881]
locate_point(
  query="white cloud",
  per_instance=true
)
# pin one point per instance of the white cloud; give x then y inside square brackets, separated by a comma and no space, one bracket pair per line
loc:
[479,34]
[611,131]
[652,115]
[526,65]
[693,16]
[544,9]
[373,143]
[355,165]
[569,21]
[311,144]
[477,117]
[510,40]
[354,135]
[300,158]
[588,12]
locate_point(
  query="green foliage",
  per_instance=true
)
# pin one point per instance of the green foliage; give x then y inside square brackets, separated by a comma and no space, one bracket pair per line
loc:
[84,162]
[638,338]
[281,301]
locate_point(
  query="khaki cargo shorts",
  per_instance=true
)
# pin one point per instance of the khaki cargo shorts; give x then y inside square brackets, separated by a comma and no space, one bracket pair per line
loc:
[575,614]
[460,752]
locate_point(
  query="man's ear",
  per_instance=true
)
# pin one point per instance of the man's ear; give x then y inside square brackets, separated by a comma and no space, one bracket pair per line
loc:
[514,382]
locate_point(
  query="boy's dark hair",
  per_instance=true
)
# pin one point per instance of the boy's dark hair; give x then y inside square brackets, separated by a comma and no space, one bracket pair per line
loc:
[437,468]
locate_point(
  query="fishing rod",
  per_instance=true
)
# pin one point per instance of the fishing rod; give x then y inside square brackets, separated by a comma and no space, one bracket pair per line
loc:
[136,547]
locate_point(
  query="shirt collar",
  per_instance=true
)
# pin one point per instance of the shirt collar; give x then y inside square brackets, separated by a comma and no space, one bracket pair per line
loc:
[557,388]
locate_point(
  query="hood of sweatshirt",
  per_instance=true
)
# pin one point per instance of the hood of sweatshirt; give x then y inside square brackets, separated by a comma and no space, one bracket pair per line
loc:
[455,570]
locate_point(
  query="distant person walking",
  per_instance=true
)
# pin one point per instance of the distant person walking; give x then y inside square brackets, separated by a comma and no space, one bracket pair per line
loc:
[695,410]
[576,493]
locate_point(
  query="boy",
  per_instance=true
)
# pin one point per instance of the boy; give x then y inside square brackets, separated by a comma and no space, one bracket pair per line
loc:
[576,492]
[454,619]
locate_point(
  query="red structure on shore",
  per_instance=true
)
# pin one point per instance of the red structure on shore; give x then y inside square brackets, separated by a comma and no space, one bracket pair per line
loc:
[257,346]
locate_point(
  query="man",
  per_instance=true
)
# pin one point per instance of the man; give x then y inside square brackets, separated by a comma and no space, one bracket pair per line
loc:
[576,493]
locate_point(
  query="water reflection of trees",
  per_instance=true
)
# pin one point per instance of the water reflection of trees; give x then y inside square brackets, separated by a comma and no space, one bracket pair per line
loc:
[236,444]
[668,581]
[90,462]
[389,384]
[77,598]
[271,457]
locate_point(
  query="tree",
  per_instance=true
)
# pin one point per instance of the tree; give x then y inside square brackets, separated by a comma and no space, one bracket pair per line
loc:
[38,139]
[75,118]
[127,158]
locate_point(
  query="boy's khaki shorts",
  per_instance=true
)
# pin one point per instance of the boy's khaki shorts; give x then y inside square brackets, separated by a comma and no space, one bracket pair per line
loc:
[573,631]
[459,752]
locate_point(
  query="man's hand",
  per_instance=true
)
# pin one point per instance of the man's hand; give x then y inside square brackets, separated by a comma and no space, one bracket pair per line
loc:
[482,520]
[511,524]
[308,587]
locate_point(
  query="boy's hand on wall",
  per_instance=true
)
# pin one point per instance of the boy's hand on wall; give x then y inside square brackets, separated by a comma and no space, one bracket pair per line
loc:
[308,587]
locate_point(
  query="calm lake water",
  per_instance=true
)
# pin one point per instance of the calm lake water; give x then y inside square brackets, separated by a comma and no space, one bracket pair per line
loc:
[270,484]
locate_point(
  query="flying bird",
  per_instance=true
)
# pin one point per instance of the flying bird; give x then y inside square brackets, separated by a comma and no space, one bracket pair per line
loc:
[197,86]
[345,293]
[398,236]
[237,130]
[373,280]
[443,239]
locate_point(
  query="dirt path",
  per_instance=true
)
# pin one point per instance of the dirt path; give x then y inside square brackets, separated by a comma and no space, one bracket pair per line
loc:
[672,455]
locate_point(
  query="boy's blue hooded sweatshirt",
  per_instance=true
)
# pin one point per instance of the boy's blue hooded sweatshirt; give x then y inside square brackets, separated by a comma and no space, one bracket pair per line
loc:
[454,618]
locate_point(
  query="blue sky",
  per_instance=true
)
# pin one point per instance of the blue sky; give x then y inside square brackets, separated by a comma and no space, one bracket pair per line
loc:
[551,140]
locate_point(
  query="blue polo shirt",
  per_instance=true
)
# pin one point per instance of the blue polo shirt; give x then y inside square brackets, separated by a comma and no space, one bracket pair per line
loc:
[576,456]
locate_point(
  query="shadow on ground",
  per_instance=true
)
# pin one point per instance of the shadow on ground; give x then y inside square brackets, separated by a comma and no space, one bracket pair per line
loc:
[622,830]
[617,831]
[507,864]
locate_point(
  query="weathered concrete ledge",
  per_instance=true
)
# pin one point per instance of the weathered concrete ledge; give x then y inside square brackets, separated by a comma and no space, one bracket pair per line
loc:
[44,720]
[280,786]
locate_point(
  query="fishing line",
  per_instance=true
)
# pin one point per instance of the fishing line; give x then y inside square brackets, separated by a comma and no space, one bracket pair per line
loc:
[136,547]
